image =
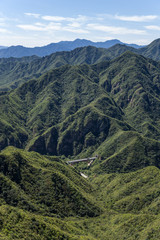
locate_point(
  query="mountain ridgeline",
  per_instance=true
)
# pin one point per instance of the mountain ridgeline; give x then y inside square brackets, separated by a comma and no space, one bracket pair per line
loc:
[79,110]
[14,71]
[74,104]
[20,51]
[150,51]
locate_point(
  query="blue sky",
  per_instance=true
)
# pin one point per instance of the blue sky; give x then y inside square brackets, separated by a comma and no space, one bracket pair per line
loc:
[39,22]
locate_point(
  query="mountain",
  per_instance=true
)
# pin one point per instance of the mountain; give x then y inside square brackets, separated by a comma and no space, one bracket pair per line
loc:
[152,50]
[32,180]
[56,97]
[56,113]
[133,198]
[70,105]
[20,51]
[149,51]
[43,198]
[2,47]
[38,191]
[14,71]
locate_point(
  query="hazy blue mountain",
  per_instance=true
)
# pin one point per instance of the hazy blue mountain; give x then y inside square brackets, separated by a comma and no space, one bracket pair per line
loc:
[3,47]
[20,51]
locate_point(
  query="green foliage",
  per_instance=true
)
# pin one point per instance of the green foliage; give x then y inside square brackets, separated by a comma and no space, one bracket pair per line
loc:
[110,109]
[15,71]
[152,50]
[79,110]
[127,151]
[18,224]
[44,185]
[130,203]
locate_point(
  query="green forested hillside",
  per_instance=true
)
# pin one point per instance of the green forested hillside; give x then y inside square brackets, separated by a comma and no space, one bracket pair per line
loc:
[43,198]
[15,71]
[44,185]
[79,106]
[72,110]
[151,50]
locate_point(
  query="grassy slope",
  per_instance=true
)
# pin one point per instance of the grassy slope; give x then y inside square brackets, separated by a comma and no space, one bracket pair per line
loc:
[43,185]
[130,201]
[126,151]
[19,224]
[134,201]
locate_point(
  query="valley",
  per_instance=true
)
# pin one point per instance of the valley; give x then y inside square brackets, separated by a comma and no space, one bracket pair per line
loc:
[72,105]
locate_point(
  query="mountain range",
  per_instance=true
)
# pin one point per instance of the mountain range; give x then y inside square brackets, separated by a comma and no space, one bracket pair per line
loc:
[14,71]
[77,104]
[20,51]
[120,94]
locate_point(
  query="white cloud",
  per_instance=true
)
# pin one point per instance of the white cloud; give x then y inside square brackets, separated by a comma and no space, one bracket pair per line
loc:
[35,15]
[3,30]
[30,27]
[53,18]
[153,27]
[40,27]
[80,18]
[115,30]
[39,24]
[74,24]
[56,23]
[135,18]
[53,26]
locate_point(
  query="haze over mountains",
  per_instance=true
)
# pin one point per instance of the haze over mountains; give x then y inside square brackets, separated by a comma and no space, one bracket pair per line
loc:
[20,51]
[73,104]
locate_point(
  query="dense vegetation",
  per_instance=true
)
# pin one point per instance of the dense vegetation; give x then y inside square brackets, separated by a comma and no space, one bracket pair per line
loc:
[76,104]
[79,110]
[42,198]
[14,71]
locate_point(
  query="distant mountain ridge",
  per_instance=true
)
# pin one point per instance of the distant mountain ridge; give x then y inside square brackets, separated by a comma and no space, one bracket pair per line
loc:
[14,71]
[3,47]
[20,51]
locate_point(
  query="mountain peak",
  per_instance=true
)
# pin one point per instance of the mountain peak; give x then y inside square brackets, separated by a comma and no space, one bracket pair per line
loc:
[20,51]
[114,40]
[152,50]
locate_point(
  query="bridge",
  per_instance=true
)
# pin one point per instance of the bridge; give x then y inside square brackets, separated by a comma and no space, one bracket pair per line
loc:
[91,159]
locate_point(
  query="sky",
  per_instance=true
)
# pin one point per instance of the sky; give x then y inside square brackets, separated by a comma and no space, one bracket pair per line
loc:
[40,22]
